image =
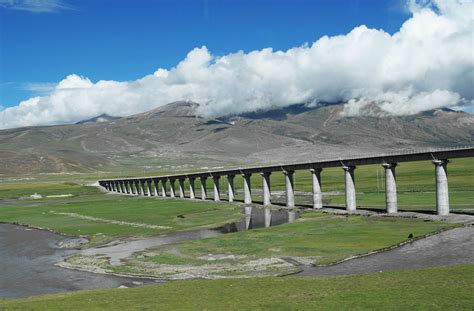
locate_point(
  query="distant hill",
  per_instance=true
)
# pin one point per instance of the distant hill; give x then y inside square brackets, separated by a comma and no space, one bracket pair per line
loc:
[99,119]
[172,137]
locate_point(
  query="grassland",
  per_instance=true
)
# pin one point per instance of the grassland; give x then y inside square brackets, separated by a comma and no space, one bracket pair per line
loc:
[328,238]
[447,288]
[141,216]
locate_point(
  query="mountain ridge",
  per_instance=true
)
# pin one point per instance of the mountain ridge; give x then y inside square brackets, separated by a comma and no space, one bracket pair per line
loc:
[172,137]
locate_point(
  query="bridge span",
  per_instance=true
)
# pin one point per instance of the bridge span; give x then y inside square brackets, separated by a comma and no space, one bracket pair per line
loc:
[156,185]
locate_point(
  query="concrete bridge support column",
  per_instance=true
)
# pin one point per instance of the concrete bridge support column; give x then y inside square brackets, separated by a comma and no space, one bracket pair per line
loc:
[192,189]
[268,217]
[144,187]
[114,186]
[127,187]
[163,188]
[155,187]
[266,188]
[291,216]
[151,191]
[217,195]
[230,188]
[172,188]
[248,217]
[130,185]
[317,193]
[289,185]
[247,188]
[350,188]
[137,187]
[203,188]
[442,190]
[121,187]
[181,187]
[390,188]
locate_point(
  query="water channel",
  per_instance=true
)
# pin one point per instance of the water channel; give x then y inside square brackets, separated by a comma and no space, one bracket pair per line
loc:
[28,256]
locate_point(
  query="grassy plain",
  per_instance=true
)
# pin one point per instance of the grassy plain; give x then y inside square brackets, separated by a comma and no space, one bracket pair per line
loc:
[140,216]
[327,238]
[447,288]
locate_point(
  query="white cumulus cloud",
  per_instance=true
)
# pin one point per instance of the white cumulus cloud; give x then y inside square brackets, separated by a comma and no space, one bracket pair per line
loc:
[427,64]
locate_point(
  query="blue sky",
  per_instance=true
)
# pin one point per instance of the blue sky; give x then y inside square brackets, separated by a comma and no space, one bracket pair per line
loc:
[64,60]
[126,40]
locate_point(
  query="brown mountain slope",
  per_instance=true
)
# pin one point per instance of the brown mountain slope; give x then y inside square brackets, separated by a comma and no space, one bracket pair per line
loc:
[172,137]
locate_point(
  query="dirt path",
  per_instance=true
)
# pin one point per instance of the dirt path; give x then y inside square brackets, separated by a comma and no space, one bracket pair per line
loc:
[452,247]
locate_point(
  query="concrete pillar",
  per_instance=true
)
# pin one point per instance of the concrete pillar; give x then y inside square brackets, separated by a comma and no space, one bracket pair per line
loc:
[248,217]
[163,188]
[130,184]
[122,187]
[230,188]
[442,190]
[192,189]
[137,187]
[268,217]
[155,187]
[247,188]
[317,193]
[350,188]
[291,216]
[181,187]
[127,186]
[144,186]
[390,188]
[203,188]
[266,188]
[172,188]
[289,185]
[217,196]
[114,189]
[149,188]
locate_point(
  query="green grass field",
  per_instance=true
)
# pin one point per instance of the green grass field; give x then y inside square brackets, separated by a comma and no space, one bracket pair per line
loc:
[64,215]
[328,238]
[88,212]
[444,289]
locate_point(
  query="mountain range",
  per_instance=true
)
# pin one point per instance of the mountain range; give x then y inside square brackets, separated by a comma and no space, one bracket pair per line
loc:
[172,137]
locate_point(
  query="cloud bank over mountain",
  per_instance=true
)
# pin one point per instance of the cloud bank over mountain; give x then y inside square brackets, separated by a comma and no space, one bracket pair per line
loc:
[427,64]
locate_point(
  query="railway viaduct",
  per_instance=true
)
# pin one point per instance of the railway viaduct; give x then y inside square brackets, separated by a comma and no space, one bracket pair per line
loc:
[156,185]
